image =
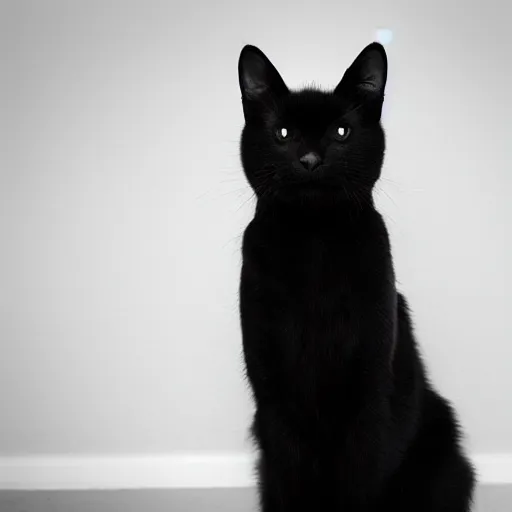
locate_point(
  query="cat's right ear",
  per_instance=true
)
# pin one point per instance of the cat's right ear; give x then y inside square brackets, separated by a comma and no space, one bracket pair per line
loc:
[260,82]
[366,78]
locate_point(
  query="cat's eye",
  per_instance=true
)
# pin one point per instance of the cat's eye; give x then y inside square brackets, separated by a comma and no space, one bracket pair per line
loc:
[282,133]
[342,132]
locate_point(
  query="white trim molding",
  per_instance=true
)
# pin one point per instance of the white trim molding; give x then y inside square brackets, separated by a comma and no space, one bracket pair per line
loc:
[494,468]
[177,471]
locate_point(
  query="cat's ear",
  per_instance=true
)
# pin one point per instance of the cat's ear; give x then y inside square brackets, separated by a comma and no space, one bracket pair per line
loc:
[259,79]
[367,76]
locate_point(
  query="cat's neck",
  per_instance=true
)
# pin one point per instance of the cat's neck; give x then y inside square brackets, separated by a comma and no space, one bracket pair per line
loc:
[327,211]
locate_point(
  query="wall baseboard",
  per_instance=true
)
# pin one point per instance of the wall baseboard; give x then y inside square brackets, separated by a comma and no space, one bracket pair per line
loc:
[169,471]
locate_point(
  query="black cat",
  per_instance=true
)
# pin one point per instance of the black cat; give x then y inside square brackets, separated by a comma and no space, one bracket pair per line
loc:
[346,419]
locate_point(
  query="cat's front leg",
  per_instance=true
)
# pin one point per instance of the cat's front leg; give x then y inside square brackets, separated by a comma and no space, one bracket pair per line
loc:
[280,492]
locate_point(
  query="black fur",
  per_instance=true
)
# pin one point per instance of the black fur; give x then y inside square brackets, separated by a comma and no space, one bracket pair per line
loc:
[346,419]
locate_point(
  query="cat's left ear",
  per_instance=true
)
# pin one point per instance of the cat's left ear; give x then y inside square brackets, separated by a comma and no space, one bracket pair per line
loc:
[367,76]
[260,81]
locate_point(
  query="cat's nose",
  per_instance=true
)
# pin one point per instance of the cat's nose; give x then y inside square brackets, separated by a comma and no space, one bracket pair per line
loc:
[310,160]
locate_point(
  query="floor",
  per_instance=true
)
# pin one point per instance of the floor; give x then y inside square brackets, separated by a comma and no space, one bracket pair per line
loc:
[488,499]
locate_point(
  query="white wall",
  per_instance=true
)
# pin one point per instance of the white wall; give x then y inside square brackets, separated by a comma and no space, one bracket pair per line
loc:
[120,237]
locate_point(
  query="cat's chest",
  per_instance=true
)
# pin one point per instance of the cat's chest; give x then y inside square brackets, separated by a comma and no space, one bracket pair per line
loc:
[302,261]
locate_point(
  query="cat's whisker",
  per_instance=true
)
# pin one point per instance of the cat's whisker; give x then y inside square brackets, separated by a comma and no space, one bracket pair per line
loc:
[383,190]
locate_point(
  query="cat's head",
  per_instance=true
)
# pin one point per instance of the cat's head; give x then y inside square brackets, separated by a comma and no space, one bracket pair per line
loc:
[313,144]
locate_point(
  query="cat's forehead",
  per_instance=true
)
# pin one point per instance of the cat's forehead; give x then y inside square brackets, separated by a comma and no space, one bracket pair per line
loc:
[311,107]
